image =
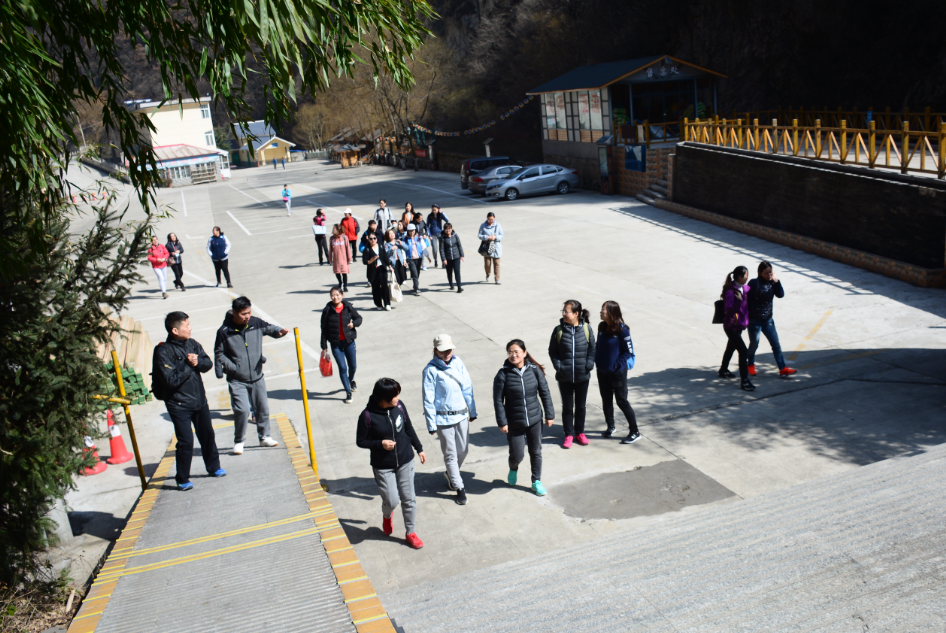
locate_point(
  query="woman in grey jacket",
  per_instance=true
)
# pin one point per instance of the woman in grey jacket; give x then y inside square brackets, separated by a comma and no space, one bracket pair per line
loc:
[451,252]
[491,236]
[572,350]
[520,393]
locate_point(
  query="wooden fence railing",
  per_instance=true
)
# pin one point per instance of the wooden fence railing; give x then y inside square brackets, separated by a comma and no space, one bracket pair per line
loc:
[904,149]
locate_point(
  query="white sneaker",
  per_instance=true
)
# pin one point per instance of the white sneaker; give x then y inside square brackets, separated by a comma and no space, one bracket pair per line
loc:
[387,307]
[238,448]
[268,441]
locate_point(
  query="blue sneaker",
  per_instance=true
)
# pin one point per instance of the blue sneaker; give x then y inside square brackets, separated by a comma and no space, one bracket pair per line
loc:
[538,488]
[185,486]
[511,478]
[220,472]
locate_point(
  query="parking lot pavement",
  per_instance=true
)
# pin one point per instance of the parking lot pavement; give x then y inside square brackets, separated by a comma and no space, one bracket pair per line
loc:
[869,351]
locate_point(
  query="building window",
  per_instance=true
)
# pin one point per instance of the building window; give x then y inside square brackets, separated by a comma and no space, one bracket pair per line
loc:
[209,138]
[275,144]
[205,111]
[560,111]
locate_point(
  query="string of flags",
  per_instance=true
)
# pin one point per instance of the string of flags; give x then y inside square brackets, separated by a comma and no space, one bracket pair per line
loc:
[474,130]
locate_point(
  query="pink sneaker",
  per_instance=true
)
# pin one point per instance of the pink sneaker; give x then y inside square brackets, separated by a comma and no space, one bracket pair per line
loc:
[568,442]
[582,439]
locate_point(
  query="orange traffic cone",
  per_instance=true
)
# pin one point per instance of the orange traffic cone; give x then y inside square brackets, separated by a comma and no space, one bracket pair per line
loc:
[120,454]
[99,464]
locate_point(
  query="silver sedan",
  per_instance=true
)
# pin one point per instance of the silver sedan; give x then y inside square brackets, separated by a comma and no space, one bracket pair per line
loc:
[480,181]
[534,180]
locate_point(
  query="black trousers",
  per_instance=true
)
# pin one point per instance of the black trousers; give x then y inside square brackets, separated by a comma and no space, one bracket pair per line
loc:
[574,394]
[184,452]
[736,344]
[399,273]
[342,280]
[322,247]
[414,265]
[224,265]
[453,268]
[380,292]
[178,275]
[613,386]
[518,439]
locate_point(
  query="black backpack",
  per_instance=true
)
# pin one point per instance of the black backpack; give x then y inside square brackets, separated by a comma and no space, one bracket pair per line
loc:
[159,388]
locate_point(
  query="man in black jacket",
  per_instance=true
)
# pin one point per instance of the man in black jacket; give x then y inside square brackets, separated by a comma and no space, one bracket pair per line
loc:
[339,320]
[181,360]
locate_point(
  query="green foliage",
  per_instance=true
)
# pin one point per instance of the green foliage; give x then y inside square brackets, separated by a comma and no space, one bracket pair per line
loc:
[51,322]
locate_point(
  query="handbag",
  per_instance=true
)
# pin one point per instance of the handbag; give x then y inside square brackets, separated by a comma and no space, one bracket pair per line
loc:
[718,312]
[484,248]
[396,295]
[325,364]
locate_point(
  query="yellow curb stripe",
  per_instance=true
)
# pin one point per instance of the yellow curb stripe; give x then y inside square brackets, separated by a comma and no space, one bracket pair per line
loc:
[370,595]
[345,582]
[811,334]
[377,617]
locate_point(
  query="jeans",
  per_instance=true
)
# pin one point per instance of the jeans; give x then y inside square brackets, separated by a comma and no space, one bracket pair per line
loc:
[184,452]
[222,265]
[518,439]
[344,353]
[453,268]
[162,275]
[575,394]
[613,386]
[767,328]
[322,247]
[735,344]
[398,485]
[245,396]
[414,265]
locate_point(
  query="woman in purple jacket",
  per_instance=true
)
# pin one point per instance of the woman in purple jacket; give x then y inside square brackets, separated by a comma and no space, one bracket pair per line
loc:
[736,319]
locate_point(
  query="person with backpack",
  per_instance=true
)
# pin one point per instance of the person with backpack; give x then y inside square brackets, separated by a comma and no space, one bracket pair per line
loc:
[287,197]
[435,227]
[491,248]
[451,252]
[572,350]
[178,363]
[762,292]
[383,216]
[158,256]
[319,229]
[339,325]
[449,408]
[351,227]
[614,356]
[520,393]
[175,250]
[218,247]
[735,320]
[238,354]
[385,429]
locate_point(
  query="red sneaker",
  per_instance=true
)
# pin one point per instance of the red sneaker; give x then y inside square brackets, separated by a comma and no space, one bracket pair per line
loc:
[581,439]
[568,442]
[752,370]
[787,371]
[388,525]
[414,541]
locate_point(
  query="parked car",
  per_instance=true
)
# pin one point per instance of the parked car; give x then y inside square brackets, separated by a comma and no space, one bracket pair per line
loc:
[478,182]
[533,180]
[474,166]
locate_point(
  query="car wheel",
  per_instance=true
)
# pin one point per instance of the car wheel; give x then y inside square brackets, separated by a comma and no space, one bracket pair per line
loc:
[563,187]
[512,194]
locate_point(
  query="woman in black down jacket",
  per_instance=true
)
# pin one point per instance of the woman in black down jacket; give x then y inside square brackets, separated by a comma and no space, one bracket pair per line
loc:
[572,350]
[520,393]
[451,253]
[340,321]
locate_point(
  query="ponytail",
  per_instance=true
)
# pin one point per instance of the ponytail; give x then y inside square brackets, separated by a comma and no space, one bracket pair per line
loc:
[518,342]
[738,271]
[575,306]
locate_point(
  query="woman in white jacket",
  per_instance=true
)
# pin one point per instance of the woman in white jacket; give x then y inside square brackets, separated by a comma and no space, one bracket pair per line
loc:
[449,408]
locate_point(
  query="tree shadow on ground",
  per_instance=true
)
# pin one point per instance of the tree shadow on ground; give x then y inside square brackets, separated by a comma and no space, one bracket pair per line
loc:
[856,405]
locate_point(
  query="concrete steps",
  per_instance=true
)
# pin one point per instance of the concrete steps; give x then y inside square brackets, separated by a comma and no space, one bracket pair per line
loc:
[864,550]
[657,190]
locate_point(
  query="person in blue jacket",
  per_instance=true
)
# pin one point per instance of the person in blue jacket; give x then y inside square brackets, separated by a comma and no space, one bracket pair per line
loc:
[449,408]
[218,247]
[287,199]
[614,349]
[435,221]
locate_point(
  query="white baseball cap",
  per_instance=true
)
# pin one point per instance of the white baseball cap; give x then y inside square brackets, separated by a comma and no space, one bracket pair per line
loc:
[443,342]
[347,211]
[411,227]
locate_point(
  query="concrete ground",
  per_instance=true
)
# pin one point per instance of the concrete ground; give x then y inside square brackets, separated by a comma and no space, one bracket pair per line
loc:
[869,352]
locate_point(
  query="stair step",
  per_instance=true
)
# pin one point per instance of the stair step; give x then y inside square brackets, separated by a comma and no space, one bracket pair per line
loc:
[658,187]
[655,194]
[662,182]
[645,199]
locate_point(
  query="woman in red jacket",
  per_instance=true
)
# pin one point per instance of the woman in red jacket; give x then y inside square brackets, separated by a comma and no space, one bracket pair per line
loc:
[158,256]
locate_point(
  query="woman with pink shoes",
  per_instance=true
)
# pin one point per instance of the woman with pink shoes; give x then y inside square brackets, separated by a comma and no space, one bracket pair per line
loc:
[572,350]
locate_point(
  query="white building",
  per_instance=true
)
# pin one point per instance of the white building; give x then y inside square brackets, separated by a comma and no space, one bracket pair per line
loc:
[184,141]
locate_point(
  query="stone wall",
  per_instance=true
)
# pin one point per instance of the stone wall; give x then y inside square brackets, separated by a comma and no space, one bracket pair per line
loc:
[631,183]
[896,217]
[451,161]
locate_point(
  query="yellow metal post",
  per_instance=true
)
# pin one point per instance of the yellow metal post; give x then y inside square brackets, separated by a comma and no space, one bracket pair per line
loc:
[941,167]
[775,137]
[871,144]
[795,137]
[686,132]
[843,156]
[739,133]
[817,138]
[131,427]
[305,407]
[755,132]
[905,148]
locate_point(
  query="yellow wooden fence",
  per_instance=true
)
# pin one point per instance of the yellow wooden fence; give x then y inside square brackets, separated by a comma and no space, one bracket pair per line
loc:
[909,151]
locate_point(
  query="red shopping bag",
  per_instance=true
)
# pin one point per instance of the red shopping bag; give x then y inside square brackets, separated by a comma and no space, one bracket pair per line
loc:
[325,364]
